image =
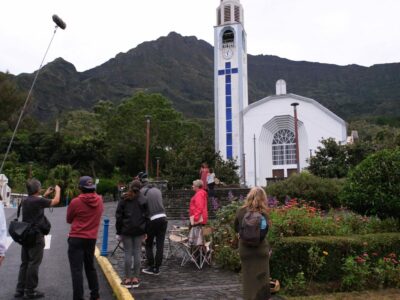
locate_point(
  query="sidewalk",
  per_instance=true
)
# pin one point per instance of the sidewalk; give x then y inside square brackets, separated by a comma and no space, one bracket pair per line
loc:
[174,281]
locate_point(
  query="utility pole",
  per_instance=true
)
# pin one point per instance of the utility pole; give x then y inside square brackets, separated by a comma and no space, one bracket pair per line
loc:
[296,136]
[147,142]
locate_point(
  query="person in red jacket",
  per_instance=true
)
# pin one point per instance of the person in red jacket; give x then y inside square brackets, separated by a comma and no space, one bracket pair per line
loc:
[198,211]
[84,214]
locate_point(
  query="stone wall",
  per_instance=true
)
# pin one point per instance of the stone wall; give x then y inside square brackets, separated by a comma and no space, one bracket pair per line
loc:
[176,202]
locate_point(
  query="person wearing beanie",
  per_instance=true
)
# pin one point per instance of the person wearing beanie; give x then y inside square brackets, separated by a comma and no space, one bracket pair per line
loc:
[84,214]
[156,226]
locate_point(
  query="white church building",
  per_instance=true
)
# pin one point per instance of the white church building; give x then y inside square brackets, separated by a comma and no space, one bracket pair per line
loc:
[261,136]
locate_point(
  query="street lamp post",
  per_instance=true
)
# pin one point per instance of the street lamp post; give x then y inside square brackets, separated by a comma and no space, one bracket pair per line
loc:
[158,168]
[147,142]
[30,170]
[296,135]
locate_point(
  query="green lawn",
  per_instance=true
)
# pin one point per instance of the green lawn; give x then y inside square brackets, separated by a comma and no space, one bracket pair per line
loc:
[386,294]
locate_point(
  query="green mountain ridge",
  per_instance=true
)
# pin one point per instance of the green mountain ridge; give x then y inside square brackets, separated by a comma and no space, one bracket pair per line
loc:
[181,68]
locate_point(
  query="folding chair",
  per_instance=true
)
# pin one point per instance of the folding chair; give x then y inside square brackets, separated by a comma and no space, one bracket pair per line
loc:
[175,236]
[175,242]
[199,254]
[193,254]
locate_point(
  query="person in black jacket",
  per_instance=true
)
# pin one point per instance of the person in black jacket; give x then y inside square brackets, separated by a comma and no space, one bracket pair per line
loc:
[130,225]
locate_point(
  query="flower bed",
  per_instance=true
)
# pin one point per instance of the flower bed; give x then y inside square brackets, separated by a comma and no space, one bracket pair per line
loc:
[310,245]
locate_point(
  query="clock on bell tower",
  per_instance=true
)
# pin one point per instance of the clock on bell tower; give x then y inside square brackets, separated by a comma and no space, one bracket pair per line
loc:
[230,80]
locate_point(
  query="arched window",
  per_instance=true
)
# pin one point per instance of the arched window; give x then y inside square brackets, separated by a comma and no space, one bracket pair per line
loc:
[228,37]
[283,148]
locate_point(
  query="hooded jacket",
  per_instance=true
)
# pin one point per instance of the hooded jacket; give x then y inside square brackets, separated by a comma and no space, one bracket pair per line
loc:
[130,216]
[84,214]
[198,206]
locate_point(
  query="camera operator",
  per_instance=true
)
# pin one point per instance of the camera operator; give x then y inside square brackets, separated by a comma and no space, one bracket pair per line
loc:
[33,212]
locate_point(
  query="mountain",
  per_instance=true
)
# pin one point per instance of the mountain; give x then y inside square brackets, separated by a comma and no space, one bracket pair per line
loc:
[181,68]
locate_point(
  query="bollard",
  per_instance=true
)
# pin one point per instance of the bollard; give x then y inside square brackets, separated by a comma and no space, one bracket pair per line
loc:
[105,238]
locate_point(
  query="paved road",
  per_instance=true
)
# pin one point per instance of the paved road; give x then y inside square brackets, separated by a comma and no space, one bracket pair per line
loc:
[176,282]
[54,276]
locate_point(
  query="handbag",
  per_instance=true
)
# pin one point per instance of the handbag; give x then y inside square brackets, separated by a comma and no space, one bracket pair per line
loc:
[196,237]
[23,233]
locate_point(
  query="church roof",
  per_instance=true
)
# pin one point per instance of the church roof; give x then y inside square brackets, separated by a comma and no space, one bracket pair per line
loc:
[297,97]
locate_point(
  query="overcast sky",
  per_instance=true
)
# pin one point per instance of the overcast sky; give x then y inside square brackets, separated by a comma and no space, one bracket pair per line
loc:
[342,32]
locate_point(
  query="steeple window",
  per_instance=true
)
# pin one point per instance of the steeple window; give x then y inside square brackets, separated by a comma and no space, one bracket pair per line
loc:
[227,13]
[237,14]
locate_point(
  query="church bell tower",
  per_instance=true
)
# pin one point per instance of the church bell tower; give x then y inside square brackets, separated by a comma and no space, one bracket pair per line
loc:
[230,80]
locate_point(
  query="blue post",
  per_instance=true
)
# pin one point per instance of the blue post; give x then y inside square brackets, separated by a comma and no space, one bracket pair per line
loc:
[66,201]
[105,238]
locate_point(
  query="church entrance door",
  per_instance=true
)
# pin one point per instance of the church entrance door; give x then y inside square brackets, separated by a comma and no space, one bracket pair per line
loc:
[290,172]
[279,173]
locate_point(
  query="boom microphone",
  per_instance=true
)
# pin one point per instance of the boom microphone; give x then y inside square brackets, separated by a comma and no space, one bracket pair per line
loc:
[60,23]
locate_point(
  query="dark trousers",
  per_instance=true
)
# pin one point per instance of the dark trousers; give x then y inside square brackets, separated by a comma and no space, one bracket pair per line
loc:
[211,192]
[155,229]
[31,258]
[81,253]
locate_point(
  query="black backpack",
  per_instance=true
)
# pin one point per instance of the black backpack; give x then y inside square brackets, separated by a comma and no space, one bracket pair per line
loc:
[250,232]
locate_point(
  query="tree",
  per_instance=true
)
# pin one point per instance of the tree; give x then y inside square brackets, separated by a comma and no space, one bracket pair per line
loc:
[67,178]
[373,187]
[330,160]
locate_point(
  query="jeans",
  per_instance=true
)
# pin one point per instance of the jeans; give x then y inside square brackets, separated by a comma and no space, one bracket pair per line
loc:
[155,229]
[81,253]
[132,247]
[31,258]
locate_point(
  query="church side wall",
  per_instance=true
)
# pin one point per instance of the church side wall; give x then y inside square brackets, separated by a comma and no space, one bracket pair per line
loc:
[317,124]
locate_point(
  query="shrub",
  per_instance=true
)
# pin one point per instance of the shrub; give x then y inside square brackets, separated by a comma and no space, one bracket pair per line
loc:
[293,219]
[308,187]
[292,255]
[224,237]
[371,270]
[373,187]
[107,186]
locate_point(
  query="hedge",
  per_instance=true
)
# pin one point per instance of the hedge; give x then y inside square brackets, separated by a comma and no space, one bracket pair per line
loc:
[290,256]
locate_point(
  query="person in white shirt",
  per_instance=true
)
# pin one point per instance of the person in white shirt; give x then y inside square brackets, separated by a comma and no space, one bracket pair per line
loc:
[3,233]
[211,183]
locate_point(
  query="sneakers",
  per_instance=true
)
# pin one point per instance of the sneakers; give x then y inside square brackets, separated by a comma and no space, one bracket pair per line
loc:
[130,283]
[126,283]
[33,295]
[135,283]
[19,294]
[151,271]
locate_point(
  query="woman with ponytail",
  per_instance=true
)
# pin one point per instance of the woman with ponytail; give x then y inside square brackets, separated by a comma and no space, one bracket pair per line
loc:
[254,258]
[130,226]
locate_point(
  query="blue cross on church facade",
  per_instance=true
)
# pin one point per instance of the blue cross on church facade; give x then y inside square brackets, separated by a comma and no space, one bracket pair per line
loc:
[228,71]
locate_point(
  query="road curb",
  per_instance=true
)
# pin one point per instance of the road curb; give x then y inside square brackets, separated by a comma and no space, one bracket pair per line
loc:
[113,279]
